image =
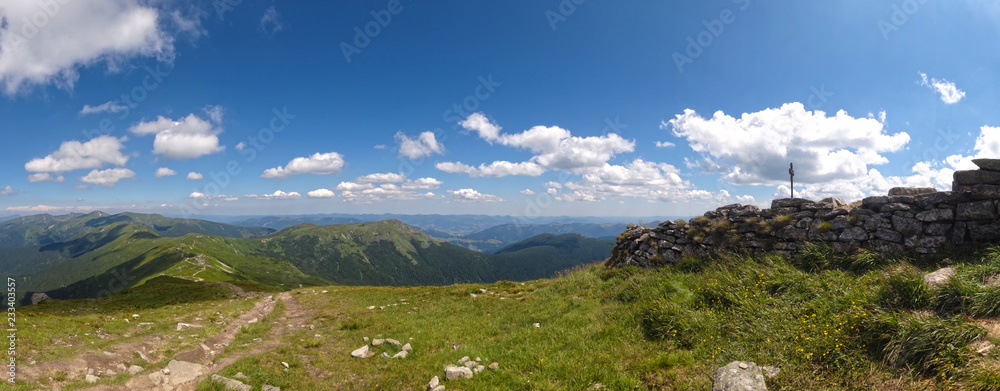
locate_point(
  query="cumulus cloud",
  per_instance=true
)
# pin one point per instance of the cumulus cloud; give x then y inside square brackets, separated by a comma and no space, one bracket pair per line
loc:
[553,148]
[421,146]
[44,176]
[318,163]
[757,147]
[164,171]
[321,193]
[390,186]
[527,192]
[664,144]
[187,138]
[61,209]
[499,168]
[271,22]
[74,155]
[470,195]
[195,176]
[638,179]
[107,107]
[109,177]
[277,195]
[47,42]
[950,94]
[8,190]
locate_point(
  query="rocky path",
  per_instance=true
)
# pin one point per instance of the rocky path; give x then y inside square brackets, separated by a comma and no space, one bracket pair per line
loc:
[187,368]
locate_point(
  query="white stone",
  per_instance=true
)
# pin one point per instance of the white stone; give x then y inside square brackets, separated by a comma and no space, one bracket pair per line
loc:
[231,384]
[453,372]
[462,360]
[401,354]
[134,369]
[939,277]
[393,342]
[377,341]
[407,347]
[361,352]
[92,379]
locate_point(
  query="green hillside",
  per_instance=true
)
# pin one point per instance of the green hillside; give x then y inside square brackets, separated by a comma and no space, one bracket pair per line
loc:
[495,238]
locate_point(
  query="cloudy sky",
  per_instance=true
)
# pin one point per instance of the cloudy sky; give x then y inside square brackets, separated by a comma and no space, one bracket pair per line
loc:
[527,108]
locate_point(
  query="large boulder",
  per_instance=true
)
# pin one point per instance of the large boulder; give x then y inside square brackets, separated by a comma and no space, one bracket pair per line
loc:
[987,164]
[738,376]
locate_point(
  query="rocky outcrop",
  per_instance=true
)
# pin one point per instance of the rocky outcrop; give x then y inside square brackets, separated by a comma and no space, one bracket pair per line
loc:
[738,376]
[917,219]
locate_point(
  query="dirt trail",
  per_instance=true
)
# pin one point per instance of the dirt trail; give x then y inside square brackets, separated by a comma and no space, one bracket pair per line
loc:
[203,353]
[295,318]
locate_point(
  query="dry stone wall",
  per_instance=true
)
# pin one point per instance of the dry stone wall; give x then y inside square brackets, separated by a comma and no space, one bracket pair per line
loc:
[917,219]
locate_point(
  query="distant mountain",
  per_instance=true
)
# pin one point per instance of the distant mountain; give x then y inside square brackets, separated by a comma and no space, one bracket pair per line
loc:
[98,254]
[546,254]
[279,222]
[494,238]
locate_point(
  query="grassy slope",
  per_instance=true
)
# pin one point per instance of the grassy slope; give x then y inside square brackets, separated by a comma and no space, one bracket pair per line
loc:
[829,323]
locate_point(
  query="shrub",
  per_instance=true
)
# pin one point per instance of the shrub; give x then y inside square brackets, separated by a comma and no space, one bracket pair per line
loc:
[814,257]
[955,296]
[931,346]
[863,260]
[986,303]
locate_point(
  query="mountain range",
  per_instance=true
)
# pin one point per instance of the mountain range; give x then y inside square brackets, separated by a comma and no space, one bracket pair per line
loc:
[97,254]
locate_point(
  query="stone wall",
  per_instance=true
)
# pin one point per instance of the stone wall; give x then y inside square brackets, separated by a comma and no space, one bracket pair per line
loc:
[917,219]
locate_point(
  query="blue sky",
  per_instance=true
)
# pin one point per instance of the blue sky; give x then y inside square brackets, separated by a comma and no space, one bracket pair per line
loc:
[516,108]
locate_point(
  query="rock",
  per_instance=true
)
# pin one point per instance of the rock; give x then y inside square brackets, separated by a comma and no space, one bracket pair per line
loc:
[268,387]
[182,371]
[241,376]
[377,342]
[984,191]
[478,368]
[463,360]
[910,191]
[537,325]
[121,367]
[889,235]
[431,385]
[983,348]
[134,369]
[439,388]
[987,164]
[939,277]
[393,342]
[110,373]
[936,215]
[907,226]
[470,364]
[854,234]
[361,352]
[38,297]
[385,354]
[401,354]
[92,379]
[230,384]
[770,371]
[142,356]
[976,210]
[182,326]
[493,366]
[371,307]
[975,177]
[738,376]
[407,347]
[453,372]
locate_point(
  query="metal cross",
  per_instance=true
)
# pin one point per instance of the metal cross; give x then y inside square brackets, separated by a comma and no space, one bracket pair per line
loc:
[791,177]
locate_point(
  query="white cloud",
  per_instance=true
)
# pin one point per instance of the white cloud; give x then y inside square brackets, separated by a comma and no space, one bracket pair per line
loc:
[164,171]
[423,184]
[202,196]
[107,107]
[379,146]
[354,186]
[321,193]
[470,195]
[195,176]
[47,42]
[8,190]
[74,155]
[527,192]
[241,146]
[44,176]
[109,177]
[950,94]
[390,177]
[639,179]
[500,168]
[423,145]
[757,147]
[553,148]
[664,144]
[56,209]
[318,163]
[277,195]
[271,23]
[187,138]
